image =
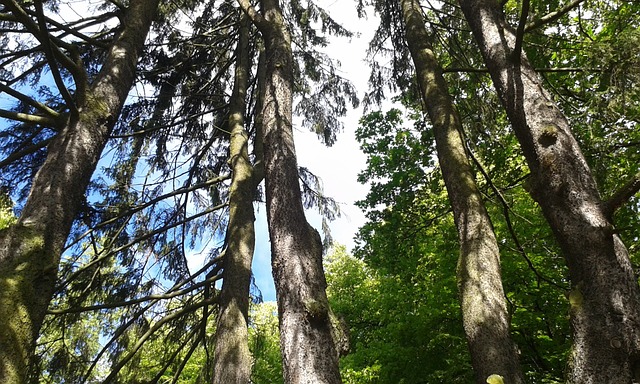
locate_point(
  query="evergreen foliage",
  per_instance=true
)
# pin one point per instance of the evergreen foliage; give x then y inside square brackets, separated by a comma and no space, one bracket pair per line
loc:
[128,307]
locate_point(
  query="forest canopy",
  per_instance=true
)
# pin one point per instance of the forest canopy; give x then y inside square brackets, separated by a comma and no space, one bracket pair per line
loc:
[502,215]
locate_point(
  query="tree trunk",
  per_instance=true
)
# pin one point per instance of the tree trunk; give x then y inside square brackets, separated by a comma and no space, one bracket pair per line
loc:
[484,310]
[308,350]
[30,250]
[232,364]
[605,296]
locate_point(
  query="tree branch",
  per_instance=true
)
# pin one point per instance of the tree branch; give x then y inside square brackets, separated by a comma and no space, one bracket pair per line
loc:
[622,195]
[506,211]
[111,252]
[7,17]
[517,49]
[26,99]
[74,32]
[51,50]
[140,312]
[51,58]
[156,297]
[255,16]
[154,328]
[24,152]
[27,118]
[27,72]
[559,69]
[553,16]
[149,203]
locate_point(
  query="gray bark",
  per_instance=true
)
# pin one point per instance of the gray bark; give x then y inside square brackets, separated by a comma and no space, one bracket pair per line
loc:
[605,296]
[308,350]
[232,364]
[484,309]
[30,250]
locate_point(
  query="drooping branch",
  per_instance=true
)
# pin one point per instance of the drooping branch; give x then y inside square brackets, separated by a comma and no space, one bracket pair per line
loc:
[506,213]
[71,30]
[154,297]
[51,49]
[143,237]
[24,152]
[50,55]
[192,334]
[151,331]
[141,311]
[28,100]
[149,203]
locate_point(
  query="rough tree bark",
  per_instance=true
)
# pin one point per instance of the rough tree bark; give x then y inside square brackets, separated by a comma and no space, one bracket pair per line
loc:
[232,364]
[605,298]
[308,350]
[30,250]
[484,309]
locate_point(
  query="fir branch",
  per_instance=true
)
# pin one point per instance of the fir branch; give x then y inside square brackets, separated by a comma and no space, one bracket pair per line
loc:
[24,152]
[28,100]
[28,118]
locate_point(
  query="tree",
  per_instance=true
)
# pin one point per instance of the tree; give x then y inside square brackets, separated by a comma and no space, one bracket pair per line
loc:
[484,311]
[162,192]
[605,294]
[308,350]
[232,359]
[265,344]
[31,248]
[402,330]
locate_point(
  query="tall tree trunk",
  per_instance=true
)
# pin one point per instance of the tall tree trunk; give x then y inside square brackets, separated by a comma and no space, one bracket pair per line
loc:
[484,309]
[232,359]
[30,250]
[605,296]
[308,350]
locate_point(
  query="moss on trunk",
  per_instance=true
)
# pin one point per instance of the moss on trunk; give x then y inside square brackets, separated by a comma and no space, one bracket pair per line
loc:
[24,271]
